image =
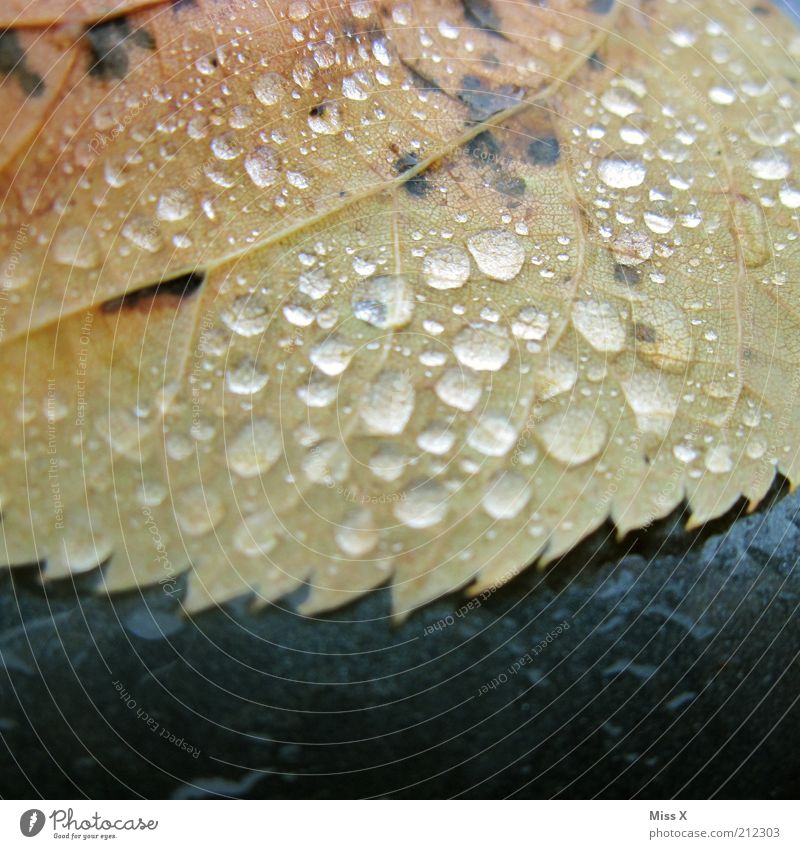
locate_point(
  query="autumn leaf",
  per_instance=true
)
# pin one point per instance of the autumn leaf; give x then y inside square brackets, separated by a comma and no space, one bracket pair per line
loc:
[306,294]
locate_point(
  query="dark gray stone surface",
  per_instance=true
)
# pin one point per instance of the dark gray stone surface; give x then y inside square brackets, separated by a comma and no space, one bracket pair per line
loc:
[677,676]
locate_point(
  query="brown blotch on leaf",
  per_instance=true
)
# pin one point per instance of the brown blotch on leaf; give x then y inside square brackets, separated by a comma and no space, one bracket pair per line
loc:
[644,333]
[12,61]
[109,42]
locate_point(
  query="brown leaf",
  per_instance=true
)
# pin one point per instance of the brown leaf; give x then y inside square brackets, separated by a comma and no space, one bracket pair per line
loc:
[415,293]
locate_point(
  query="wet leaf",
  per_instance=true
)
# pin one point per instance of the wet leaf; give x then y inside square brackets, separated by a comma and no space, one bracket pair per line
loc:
[417,293]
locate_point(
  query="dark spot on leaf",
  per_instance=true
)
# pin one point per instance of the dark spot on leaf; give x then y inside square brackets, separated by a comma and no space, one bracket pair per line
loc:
[510,185]
[760,10]
[319,109]
[420,81]
[601,7]
[595,62]
[12,61]
[544,151]
[180,287]
[482,102]
[481,14]
[484,147]
[406,162]
[417,185]
[108,47]
[626,274]
[180,5]
[644,333]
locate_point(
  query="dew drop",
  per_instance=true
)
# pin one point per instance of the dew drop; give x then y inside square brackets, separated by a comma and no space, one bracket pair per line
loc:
[76,247]
[460,389]
[262,166]
[174,204]
[254,449]
[493,435]
[385,302]
[497,253]
[269,88]
[246,315]
[507,495]
[619,173]
[357,536]
[573,436]
[482,346]
[246,377]
[437,438]
[388,403]
[332,356]
[424,504]
[446,267]
[770,164]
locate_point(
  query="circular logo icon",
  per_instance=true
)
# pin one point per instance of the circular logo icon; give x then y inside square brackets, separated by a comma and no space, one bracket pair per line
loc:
[31,822]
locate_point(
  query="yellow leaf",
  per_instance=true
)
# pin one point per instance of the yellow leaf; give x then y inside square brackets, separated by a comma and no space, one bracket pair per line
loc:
[342,295]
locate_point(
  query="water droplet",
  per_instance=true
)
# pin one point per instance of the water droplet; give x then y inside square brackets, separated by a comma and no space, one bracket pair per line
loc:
[269,88]
[493,435]
[262,166]
[558,375]
[174,204]
[257,534]
[254,449]
[314,283]
[326,119]
[388,403]
[632,247]
[619,173]
[76,247]
[388,463]
[385,302]
[319,391]
[332,355]
[356,535]
[722,95]
[619,101]
[226,147]
[790,196]
[718,460]
[497,253]
[770,164]
[143,233]
[482,346]
[507,495]
[198,510]
[247,315]
[530,324]
[246,377]
[573,436]
[327,463]
[446,267]
[424,504]
[460,389]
